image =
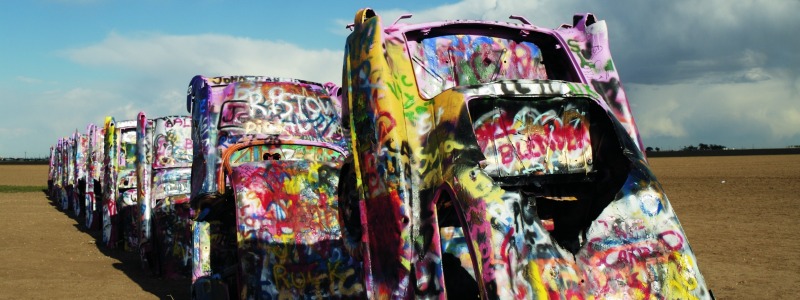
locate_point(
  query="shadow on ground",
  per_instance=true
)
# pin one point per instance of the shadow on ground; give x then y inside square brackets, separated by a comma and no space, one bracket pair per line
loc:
[130,265]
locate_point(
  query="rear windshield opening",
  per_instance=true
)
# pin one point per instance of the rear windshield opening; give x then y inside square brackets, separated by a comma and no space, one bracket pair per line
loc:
[468,54]
[562,155]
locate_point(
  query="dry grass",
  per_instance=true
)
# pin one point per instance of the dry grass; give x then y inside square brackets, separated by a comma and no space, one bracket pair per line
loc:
[21,188]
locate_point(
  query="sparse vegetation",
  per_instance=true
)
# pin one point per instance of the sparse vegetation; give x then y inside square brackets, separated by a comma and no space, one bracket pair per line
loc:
[702,146]
[21,189]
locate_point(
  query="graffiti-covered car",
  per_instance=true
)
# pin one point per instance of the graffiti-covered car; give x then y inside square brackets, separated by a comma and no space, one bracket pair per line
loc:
[61,172]
[68,155]
[79,146]
[58,184]
[94,176]
[119,184]
[51,171]
[489,159]
[163,166]
[267,156]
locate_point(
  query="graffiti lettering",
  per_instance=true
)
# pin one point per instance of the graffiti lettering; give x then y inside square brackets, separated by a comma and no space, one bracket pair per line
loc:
[226,80]
[278,111]
[446,61]
[534,141]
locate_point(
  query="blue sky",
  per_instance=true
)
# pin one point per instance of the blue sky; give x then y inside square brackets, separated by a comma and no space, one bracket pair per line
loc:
[715,71]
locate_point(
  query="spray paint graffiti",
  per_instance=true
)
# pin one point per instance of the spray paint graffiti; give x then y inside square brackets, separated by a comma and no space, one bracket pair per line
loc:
[204,102]
[447,61]
[119,183]
[288,231]
[142,211]
[109,210]
[51,170]
[272,148]
[164,151]
[81,143]
[472,180]
[58,176]
[53,176]
[69,169]
[127,203]
[94,176]
[550,137]
[587,41]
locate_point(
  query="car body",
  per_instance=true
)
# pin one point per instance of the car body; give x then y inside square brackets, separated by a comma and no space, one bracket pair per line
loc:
[163,165]
[77,199]
[51,171]
[488,160]
[58,181]
[69,173]
[267,156]
[94,176]
[119,184]
[61,190]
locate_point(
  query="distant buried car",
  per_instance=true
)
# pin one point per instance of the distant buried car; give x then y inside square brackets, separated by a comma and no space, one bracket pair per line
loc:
[77,199]
[164,218]
[94,176]
[119,183]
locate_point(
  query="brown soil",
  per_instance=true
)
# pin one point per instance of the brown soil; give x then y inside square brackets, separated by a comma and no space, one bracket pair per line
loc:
[741,215]
[46,254]
[23,175]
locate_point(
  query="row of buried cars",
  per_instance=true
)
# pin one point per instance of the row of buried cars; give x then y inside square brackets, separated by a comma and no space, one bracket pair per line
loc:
[457,159]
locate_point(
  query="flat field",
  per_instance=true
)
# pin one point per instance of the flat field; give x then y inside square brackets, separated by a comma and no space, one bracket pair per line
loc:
[47,254]
[741,215]
[23,175]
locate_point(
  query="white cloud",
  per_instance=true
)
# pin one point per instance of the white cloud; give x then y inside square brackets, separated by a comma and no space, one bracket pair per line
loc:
[756,74]
[45,113]
[763,113]
[155,68]
[695,72]
[149,72]
[25,79]
[665,119]
[658,42]
[752,58]
[162,55]
[468,9]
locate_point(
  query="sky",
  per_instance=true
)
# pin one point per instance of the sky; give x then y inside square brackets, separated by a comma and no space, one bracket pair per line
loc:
[713,71]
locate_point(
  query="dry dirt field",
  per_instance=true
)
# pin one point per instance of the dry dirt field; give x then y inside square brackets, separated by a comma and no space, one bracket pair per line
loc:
[741,215]
[46,254]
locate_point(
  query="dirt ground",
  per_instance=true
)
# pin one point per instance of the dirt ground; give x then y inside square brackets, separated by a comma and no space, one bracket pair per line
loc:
[741,215]
[46,254]
[22,175]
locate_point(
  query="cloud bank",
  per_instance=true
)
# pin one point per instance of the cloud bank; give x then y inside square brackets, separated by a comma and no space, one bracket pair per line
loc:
[148,72]
[695,72]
